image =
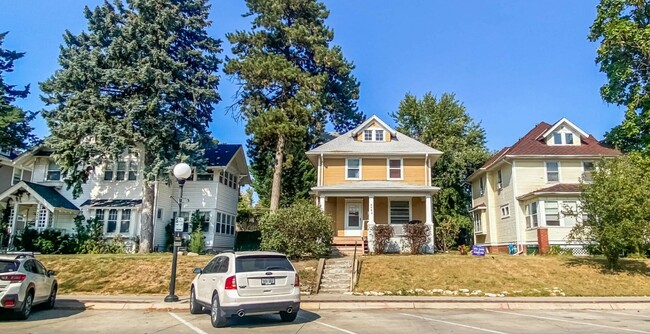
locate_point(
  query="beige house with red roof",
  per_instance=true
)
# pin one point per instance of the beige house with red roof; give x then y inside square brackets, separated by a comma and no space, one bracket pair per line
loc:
[520,194]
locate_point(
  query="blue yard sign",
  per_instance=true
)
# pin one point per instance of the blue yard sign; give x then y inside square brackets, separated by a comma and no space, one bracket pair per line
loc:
[478,250]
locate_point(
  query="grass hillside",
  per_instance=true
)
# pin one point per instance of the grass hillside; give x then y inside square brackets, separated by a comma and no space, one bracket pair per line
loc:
[136,273]
[516,275]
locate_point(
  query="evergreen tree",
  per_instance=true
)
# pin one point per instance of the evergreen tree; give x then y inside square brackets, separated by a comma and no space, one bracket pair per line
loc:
[292,83]
[143,77]
[621,27]
[445,125]
[15,132]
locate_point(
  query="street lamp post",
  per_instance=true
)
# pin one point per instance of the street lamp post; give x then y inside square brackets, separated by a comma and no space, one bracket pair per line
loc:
[182,171]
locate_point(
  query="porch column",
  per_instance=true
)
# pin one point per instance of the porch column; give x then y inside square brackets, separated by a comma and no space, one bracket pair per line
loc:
[321,202]
[12,224]
[371,222]
[429,222]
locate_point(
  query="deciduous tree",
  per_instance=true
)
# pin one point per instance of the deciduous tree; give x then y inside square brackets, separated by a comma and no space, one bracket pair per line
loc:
[621,28]
[292,83]
[15,131]
[443,123]
[613,214]
[142,76]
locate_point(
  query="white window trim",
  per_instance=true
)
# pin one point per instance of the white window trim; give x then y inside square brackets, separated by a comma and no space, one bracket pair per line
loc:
[383,135]
[127,169]
[401,169]
[505,206]
[48,170]
[360,169]
[372,133]
[22,175]
[499,179]
[400,199]
[481,187]
[478,214]
[559,174]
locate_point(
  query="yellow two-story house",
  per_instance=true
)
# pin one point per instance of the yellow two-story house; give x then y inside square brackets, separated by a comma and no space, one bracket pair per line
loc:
[523,195]
[374,175]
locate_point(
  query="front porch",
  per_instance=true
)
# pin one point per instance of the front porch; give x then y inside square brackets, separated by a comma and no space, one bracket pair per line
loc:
[355,216]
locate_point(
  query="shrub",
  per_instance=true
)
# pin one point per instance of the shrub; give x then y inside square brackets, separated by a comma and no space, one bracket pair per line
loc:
[299,230]
[248,240]
[116,246]
[53,241]
[557,250]
[382,234]
[197,241]
[417,236]
[463,249]
[447,230]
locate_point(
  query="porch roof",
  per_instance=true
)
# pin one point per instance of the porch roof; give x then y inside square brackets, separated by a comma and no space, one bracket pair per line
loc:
[47,195]
[557,189]
[111,203]
[376,186]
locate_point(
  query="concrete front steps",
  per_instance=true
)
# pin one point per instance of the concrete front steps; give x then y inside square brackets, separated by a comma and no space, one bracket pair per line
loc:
[344,246]
[337,276]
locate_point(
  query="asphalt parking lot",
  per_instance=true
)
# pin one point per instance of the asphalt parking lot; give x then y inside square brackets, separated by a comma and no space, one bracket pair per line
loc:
[358,321]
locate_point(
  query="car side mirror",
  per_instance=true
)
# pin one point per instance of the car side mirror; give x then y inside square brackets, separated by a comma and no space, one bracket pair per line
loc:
[50,273]
[198,271]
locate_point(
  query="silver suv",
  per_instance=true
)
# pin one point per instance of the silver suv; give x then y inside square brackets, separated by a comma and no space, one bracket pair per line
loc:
[25,282]
[246,283]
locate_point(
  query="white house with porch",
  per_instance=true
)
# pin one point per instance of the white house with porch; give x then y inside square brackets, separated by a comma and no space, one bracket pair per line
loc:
[113,194]
[374,175]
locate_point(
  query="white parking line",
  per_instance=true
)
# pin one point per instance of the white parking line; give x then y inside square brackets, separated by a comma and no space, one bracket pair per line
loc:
[328,325]
[623,313]
[192,327]
[569,321]
[453,323]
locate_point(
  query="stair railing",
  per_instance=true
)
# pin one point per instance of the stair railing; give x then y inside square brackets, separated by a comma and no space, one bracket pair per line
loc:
[354,266]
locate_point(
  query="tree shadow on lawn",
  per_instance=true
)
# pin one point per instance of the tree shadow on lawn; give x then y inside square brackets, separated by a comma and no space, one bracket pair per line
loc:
[626,265]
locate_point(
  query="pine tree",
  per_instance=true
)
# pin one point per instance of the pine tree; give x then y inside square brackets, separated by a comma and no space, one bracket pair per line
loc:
[292,83]
[143,77]
[15,131]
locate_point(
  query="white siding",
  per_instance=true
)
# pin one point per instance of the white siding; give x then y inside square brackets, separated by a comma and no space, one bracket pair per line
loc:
[164,202]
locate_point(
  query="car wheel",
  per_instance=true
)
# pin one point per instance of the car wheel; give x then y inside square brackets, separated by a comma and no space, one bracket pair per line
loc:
[288,317]
[26,310]
[195,307]
[216,316]
[52,300]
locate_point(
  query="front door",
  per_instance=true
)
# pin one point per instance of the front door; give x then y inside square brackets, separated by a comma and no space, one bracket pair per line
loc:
[353,218]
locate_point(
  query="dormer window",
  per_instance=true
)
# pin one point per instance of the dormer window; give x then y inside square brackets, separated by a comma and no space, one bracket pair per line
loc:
[557,138]
[379,135]
[53,172]
[367,135]
[568,138]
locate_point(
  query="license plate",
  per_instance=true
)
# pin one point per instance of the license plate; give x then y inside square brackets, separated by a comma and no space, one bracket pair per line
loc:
[268,281]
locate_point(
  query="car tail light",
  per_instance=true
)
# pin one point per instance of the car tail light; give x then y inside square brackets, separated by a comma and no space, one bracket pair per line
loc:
[231,283]
[13,278]
[297,283]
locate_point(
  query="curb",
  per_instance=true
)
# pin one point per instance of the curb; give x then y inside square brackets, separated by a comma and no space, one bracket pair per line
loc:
[72,304]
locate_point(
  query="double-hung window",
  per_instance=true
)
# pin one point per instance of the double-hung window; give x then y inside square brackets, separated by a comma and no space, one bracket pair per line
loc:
[552,171]
[568,138]
[53,172]
[133,171]
[478,226]
[531,215]
[552,213]
[499,180]
[121,171]
[125,222]
[569,213]
[367,135]
[400,211]
[353,169]
[111,225]
[505,211]
[557,138]
[18,175]
[481,189]
[394,169]
[205,222]
[108,172]
[588,168]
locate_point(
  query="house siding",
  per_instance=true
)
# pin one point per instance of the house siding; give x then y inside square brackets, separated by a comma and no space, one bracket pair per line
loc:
[374,169]
[6,176]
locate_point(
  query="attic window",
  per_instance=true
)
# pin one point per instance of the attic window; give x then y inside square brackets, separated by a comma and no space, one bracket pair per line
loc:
[568,138]
[367,135]
[379,135]
[557,138]
[373,135]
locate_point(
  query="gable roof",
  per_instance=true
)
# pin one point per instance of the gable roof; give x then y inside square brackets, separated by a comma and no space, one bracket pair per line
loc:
[556,189]
[567,122]
[47,195]
[366,123]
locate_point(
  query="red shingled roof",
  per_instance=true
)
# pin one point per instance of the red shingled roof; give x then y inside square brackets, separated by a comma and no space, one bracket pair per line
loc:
[533,144]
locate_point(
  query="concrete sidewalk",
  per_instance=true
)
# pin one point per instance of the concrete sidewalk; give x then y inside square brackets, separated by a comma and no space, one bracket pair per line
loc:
[348,302]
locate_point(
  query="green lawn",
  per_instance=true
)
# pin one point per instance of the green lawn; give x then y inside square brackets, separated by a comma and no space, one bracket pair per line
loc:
[136,273]
[516,275]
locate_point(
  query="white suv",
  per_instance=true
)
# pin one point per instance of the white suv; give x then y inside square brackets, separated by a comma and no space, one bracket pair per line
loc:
[246,283]
[25,282]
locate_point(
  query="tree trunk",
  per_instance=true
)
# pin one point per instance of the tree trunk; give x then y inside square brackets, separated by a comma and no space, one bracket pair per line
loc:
[277,174]
[146,224]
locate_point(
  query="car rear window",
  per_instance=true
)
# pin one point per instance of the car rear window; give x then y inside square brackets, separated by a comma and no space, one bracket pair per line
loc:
[244,264]
[7,266]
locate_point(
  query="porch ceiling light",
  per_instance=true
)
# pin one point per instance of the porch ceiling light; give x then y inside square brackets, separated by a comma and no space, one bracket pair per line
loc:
[182,171]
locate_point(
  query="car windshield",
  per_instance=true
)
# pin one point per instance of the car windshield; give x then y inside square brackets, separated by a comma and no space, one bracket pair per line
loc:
[244,264]
[7,266]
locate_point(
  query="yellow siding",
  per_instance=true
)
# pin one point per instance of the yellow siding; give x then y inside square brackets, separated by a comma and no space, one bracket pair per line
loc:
[374,169]
[570,171]
[418,207]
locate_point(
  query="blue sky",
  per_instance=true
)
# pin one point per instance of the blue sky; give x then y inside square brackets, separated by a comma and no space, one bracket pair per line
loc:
[512,63]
